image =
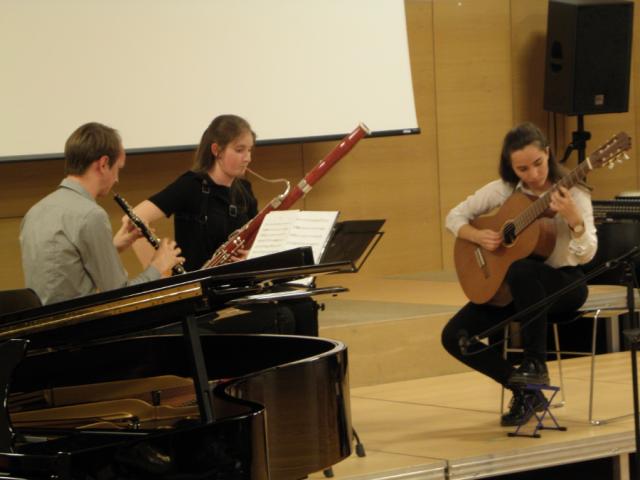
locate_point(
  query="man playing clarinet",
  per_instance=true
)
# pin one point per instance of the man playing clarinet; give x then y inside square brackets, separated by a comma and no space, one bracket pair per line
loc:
[68,247]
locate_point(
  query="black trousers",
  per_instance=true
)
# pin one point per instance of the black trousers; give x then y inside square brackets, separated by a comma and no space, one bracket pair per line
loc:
[530,281]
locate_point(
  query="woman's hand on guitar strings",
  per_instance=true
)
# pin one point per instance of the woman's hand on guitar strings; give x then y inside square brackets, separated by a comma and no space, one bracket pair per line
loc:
[488,239]
[562,203]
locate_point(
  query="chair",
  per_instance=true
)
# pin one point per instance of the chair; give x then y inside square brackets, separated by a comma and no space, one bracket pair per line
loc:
[607,300]
[19,299]
[599,306]
[608,291]
[606,306]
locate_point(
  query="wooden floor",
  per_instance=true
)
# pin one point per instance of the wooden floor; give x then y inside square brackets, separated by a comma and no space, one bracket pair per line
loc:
[409,428]
[446,425]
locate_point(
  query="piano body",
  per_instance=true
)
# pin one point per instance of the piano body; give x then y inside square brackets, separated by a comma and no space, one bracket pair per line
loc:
[92,390]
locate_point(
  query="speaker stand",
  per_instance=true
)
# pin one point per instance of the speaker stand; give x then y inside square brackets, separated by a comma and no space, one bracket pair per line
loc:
[578,141]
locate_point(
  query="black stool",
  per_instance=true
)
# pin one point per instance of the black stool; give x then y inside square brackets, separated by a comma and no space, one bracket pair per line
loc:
[539,416]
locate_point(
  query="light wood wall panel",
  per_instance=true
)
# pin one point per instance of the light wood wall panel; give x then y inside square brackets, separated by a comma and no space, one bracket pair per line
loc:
[474,105]
[394,178]
[11,267]
[23,184]
[528,45]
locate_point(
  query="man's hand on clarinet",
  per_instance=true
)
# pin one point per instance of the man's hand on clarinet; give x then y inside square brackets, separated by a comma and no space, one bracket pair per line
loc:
[166,256]
[126,235]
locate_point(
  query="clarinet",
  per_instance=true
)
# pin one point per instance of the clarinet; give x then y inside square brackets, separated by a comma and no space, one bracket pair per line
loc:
[148,234]
[245,236]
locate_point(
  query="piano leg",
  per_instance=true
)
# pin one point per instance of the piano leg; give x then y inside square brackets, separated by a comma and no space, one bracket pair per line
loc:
[11,353]
[328,472]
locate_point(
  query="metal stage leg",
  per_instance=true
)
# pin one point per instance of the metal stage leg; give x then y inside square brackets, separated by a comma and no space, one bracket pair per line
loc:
[621,467]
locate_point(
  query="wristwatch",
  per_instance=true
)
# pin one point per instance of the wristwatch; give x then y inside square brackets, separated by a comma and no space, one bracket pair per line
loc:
[579,228]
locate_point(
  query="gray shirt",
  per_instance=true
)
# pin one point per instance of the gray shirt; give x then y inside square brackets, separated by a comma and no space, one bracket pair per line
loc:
[67,247]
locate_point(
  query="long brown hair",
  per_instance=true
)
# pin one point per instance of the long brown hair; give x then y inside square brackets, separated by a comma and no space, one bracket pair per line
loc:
[223,130]
[518,138]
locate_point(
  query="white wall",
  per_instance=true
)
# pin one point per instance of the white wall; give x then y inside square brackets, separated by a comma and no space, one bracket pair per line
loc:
[160,70]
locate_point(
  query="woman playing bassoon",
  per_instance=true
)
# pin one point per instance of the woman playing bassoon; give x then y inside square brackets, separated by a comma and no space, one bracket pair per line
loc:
[209,203]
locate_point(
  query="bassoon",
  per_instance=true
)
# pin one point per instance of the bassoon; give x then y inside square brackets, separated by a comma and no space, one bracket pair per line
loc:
[146,232]
[243,238]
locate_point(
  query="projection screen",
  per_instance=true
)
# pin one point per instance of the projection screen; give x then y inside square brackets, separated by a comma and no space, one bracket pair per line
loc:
[160,70]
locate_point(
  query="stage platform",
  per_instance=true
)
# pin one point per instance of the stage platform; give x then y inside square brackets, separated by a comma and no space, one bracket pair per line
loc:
[448,426]
[392,325]
[422,415]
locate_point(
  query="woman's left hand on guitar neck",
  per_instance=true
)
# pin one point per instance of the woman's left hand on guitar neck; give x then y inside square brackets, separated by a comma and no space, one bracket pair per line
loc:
[562,203]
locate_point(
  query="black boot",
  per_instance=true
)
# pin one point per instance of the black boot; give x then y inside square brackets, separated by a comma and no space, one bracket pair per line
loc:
[522,406]
[531,371]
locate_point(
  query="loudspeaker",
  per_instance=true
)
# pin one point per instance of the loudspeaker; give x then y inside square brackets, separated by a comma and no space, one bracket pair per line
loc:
[588,56]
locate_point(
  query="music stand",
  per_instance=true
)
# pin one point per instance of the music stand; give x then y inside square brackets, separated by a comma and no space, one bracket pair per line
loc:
[353,241]
[350,241]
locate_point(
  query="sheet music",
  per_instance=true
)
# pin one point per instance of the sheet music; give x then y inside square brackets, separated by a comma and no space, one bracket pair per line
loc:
[285,229]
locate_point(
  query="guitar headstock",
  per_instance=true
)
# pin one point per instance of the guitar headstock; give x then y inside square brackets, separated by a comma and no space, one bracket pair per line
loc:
[611,152]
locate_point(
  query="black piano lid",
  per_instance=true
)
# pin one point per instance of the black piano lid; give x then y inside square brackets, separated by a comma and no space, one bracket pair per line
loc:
[160,302]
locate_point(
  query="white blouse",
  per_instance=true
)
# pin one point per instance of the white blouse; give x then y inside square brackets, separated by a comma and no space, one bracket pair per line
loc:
[568,251]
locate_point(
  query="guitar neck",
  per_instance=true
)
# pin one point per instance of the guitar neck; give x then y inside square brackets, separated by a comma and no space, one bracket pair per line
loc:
[537,208]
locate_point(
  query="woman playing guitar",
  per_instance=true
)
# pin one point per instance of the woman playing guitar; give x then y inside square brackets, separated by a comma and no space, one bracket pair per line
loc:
[526,166]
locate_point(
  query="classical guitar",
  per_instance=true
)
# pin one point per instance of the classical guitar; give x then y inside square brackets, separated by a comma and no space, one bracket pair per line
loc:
[524,230]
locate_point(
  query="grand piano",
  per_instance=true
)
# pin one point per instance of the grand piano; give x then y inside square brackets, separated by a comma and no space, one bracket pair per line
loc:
[95,388]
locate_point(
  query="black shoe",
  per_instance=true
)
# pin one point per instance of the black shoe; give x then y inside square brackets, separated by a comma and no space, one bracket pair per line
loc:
[523,404]
[531,371]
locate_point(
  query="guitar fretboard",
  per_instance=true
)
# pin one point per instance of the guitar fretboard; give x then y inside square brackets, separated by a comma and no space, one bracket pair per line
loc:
[537,208]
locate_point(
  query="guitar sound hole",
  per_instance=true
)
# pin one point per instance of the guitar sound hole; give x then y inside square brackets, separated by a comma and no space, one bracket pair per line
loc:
[509,234]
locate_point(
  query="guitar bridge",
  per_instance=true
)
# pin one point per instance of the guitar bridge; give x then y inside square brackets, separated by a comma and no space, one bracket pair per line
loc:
[481,261]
